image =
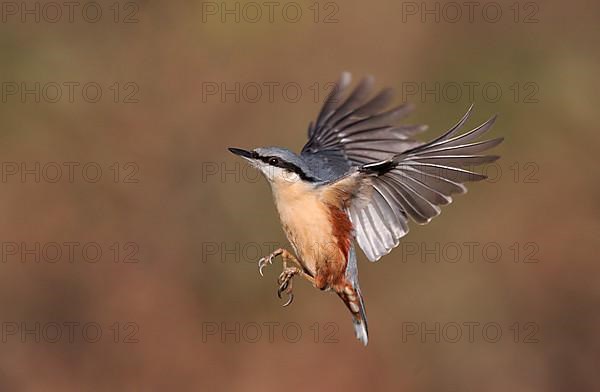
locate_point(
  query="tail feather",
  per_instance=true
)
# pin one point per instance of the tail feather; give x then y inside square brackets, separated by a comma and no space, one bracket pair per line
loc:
[353,299]
[360,323]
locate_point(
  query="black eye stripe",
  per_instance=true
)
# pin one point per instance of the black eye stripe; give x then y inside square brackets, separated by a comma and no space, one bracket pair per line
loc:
[287,166]
[263,159]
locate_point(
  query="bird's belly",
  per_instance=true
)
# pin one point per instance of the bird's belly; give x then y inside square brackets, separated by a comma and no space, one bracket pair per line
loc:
[307,225]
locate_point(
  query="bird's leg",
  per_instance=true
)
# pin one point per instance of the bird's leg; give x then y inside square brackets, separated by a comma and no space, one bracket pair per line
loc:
[285,278]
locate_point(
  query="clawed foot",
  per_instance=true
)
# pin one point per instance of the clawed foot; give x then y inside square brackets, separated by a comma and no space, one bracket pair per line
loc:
[285,278]
[285,284]
[268,260]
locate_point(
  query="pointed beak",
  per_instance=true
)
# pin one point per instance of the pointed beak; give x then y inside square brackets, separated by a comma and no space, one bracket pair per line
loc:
[240,152]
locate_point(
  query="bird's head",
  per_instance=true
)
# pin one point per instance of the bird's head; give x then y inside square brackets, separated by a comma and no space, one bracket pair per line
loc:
[278,165]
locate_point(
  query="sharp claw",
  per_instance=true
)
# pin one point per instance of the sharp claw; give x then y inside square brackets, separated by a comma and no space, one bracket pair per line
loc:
[289,301]
[262,263]
[283,289]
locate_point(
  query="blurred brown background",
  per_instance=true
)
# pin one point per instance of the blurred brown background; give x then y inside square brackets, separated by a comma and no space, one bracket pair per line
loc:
[188,311]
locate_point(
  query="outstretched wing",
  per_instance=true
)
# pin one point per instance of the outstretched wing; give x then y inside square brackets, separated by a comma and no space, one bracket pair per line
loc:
[416,182]
[356,130]
[412,179]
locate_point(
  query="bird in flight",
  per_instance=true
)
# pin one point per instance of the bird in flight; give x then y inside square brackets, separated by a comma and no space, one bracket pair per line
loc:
[359,179]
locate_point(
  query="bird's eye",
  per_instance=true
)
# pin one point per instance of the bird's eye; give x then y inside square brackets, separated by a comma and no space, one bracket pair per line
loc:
[273,161]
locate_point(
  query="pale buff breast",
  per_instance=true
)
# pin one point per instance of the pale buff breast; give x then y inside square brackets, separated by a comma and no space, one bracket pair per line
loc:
[306,222]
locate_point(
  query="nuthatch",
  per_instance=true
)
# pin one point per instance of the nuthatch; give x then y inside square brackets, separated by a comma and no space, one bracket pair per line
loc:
[360,177]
